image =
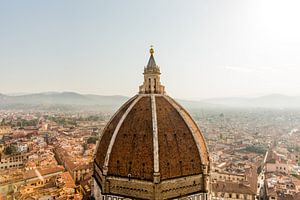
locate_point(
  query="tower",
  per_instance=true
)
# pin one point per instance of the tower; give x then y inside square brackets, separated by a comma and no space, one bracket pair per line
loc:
[152,78]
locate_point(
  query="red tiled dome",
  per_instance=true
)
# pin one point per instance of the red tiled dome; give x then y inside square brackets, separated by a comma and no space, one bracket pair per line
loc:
[151,140]
[181,146]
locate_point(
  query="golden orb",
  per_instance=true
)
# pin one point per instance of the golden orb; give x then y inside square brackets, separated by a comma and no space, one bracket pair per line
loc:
[151,50]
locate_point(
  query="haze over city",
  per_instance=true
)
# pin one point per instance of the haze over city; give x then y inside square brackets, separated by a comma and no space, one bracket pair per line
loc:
[157,100]
[212,48]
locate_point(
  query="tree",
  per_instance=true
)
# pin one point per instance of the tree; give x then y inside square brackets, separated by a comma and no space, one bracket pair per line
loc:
[92,140]
[10,150]
[297,148]
[221,136]
[84,146]
[256,149]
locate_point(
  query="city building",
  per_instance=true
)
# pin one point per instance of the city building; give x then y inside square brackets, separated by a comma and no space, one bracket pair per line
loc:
[77,170]
[35,178]
[151,148]
[13,161]
[276,163]
[230,186]
[4,130]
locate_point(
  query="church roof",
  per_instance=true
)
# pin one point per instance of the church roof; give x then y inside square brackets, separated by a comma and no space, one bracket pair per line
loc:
[127,144]
[152,140]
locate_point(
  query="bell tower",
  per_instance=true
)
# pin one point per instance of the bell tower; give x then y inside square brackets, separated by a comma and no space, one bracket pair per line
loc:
[152,84]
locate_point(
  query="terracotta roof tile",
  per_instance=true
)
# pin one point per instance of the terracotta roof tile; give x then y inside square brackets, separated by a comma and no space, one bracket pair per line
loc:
[133,152]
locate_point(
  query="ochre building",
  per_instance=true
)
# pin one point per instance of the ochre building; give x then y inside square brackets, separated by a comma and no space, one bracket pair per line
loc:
[151,149]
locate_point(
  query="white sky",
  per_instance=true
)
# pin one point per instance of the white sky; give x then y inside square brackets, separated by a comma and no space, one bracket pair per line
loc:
[213,48]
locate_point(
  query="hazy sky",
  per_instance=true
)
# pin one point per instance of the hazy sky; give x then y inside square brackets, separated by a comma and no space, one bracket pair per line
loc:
[213,48]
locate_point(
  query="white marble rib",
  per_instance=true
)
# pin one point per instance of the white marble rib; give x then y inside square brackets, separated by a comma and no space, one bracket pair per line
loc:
[155,134]
[112,141]
[101,135]
[179,110]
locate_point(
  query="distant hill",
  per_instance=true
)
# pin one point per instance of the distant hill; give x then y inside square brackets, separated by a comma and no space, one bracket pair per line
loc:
[72,100]
[66,99]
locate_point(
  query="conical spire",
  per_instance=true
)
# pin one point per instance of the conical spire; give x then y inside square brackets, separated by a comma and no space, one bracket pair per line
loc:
[152,83]
[151,62]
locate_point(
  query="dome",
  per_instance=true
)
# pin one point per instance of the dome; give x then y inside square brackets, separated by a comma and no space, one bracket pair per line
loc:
[151,148]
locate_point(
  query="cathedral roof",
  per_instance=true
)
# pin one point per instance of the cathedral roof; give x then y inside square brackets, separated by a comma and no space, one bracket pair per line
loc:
[152,130]
[151,139]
